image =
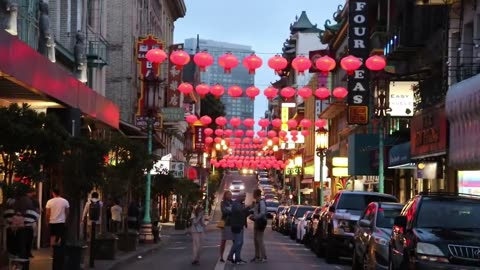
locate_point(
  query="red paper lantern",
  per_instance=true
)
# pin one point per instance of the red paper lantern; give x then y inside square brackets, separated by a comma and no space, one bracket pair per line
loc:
[202,89]
[219,132]
[320,123]
[305,133]
[292,123]
[282,134]
[350,64]
[304,92]
[340,92]
[301,63]
[270,92]
[217,90]
[185,88]
[238,133]
[305,123]
[294,133]
[322,93]
[235,122]
[227,132]
[252,92]
[275,140]
[221,121]
[277,63]
[203,60]
[252,62]
[235,91]
[263,122]
[156,56]
[271,134]
[249,122]
[205,120]
[277,123]
[376,63]
[287,92]
[218,140]
[261,133]
[208,131]
[208,140]
[249,133]
[228,61]
[294,138]
[325,64]
[180,58]
[191,119]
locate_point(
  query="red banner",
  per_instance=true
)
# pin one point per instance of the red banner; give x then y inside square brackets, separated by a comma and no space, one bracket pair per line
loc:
[199,138]
[174,79]
[428,132]
[143,45]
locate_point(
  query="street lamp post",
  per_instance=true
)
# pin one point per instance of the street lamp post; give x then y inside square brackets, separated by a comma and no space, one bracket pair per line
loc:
[321,148]
[151,98]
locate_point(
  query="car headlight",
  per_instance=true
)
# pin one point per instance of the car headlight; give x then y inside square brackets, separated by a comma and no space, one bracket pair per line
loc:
[232,187]
[242,187]
[429,249]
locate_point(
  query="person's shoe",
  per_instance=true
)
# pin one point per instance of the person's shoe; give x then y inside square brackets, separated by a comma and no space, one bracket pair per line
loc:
[231,260]
[240,262]
[255,259]
[195,262]
[222,260]
[264,260]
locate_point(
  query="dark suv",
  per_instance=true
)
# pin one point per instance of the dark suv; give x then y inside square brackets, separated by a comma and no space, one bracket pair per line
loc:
[437,231]
[337,226]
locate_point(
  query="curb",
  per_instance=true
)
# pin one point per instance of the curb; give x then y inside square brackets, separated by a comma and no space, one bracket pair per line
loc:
[132,257]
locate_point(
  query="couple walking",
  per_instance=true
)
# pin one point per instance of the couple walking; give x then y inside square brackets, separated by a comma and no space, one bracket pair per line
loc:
[234,221]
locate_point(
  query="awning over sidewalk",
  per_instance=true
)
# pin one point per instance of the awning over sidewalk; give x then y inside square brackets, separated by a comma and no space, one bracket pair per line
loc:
[27,75]
[462,108]
[399,157]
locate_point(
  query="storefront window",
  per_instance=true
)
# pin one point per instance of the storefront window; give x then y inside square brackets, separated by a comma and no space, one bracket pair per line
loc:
[469,182]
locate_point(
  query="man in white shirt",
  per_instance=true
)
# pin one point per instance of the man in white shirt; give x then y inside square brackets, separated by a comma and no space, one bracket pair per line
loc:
[57,214]
[116,211]
[87,212]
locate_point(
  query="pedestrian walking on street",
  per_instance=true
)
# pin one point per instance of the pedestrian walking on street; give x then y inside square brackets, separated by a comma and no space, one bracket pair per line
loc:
[57,214]
[259,218]
[198,227]
[92,214]
[116,214]
[226,208]
[238,221]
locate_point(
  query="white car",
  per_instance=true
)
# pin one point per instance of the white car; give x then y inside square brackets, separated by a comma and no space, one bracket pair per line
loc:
[272,207]
[237,186]
[302,225]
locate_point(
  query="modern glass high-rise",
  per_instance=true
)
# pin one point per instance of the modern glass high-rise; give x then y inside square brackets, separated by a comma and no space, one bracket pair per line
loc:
[242,107]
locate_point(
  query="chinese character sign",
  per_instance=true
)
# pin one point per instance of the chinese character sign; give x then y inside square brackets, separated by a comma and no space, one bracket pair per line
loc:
[199,140]
[143,45]
[174,79]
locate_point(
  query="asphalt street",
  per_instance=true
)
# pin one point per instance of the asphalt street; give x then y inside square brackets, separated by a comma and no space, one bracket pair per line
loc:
[282,252]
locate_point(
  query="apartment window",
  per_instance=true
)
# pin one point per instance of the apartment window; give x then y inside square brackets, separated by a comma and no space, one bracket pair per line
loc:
[91,12]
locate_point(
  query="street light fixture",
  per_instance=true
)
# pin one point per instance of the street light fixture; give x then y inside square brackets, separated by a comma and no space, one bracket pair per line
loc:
[321,149]
[151,98]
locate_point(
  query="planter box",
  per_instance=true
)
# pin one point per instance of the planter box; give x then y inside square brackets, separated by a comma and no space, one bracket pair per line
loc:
[127,241]
[105,247]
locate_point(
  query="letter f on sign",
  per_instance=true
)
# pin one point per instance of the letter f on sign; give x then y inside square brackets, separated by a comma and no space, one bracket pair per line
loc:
[360,6]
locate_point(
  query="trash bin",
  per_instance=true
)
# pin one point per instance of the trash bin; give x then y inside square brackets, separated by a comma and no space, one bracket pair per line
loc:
[105,246]
[127,241]
[74,256]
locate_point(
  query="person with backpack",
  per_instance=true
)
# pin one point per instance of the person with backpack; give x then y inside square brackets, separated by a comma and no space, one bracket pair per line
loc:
[259,218]
[92,214]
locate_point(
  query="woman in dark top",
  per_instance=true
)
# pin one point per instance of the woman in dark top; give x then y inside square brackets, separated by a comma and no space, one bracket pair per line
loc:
[226,208]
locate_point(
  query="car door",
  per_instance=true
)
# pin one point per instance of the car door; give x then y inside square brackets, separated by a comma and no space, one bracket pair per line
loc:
[397,242]
[363,234]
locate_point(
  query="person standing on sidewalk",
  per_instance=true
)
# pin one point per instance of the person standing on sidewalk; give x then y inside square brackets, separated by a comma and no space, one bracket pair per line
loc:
[92,214]
[198,227]
[57,214]
[116,214]
[226,208]
[238,221]
[260,223]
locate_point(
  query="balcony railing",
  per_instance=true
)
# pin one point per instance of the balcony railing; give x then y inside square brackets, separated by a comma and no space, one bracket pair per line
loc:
[28,22]
[97,50]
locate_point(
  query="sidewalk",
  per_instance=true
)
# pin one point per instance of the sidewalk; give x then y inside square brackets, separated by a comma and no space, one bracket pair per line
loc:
[43,260]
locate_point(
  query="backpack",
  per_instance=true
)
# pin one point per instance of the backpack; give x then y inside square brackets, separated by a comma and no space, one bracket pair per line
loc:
[94,211]
[17,221]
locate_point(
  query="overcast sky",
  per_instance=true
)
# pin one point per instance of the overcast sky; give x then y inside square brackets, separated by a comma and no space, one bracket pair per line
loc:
[262,24]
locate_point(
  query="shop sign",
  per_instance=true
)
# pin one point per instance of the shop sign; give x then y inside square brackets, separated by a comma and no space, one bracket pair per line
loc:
[143,45]
[171,114]
[178,169]
[358,46]
[174,80]
[199,140]
[400,98]
[428,132]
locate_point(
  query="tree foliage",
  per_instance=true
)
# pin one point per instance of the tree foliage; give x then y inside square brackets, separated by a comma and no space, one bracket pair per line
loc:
[212,107]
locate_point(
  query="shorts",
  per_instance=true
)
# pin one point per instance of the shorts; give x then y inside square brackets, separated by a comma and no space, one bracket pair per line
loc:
[57,229]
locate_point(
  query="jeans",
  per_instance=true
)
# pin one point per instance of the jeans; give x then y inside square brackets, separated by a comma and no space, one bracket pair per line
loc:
[197,245]
[259,244]
[236,247]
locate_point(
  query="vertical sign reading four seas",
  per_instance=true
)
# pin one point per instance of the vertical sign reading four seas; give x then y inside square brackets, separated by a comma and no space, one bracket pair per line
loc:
[358,45]
[174,79]
[142,47]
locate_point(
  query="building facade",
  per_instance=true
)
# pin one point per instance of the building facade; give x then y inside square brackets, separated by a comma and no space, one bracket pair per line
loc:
[242,107]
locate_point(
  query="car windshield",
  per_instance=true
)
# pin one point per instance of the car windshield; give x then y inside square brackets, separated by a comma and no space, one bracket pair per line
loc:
[386,217]
[272,204]
[280,209]
[352,201]
[237,182]
[301,211]
[449,214]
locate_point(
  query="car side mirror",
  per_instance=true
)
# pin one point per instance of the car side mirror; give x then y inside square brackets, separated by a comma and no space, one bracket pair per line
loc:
[331,209]
[400,223]
[364,223]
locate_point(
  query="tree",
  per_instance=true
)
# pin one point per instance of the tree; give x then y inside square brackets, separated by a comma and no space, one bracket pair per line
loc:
[212,107]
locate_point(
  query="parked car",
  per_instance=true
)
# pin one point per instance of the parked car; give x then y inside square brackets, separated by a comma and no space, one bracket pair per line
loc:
[437,231]
[309,226]
[316,243]
[276,217]
[338,224]
[287,218]
[296,218]
[302,225]
[237,186]
[272,207]
[372,235]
